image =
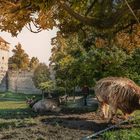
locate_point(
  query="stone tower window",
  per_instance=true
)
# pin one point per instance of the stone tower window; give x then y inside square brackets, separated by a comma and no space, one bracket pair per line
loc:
[3,58]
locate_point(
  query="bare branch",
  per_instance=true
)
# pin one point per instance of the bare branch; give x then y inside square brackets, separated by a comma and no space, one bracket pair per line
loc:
[7,2]
[132,11]
[125,27]
[30,29]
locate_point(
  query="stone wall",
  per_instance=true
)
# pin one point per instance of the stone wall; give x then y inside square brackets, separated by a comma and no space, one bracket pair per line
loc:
[19,82]
[3,83]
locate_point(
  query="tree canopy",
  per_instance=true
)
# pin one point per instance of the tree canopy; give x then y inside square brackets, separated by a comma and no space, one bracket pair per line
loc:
[34,62]
[69,16]
[96,38]
[76,65]
[41,74]
[20,59]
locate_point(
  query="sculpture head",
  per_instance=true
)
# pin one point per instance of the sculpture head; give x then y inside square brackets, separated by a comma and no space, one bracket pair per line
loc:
[30,101]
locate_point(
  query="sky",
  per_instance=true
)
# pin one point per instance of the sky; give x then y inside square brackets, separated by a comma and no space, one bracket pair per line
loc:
[34,44]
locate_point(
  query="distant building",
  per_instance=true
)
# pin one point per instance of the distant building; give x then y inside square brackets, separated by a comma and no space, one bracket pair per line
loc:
[4,56]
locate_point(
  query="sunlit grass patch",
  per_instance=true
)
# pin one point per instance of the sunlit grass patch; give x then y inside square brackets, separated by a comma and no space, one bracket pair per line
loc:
[12,105]
[15,109]
[132,132]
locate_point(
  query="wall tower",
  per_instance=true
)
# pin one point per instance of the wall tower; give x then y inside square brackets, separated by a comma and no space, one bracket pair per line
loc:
[4,56]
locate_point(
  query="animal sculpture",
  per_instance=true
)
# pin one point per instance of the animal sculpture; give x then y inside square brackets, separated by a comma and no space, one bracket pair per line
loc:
[115,93]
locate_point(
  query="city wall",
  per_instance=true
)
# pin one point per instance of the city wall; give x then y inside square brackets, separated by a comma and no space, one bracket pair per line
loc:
[19,82]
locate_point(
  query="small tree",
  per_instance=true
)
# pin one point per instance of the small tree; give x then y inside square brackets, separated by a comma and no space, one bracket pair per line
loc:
[41,75]
[46,86]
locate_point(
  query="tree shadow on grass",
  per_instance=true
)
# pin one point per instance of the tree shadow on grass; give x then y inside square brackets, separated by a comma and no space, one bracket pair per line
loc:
[84,124]
[17,113]
[75,123]
[78,110]
[21,113]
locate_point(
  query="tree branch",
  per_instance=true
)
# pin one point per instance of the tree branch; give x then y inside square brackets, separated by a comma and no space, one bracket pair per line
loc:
[103,23]
[30,29]
[90,7]
[125,27]
[8,2]
[132,11]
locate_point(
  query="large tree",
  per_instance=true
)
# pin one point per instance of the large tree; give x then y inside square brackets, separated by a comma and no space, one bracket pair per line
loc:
[76,65]
[19,60]
[69,15]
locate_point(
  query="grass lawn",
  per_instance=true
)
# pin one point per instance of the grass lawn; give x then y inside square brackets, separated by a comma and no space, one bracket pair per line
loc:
[18,119]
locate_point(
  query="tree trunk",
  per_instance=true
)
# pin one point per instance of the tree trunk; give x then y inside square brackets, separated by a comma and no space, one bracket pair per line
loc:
[16,82]
[65,88]
[43,94]
[74,94]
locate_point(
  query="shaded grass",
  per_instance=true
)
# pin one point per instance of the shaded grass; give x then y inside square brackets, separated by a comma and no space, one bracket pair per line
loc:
[77,110]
